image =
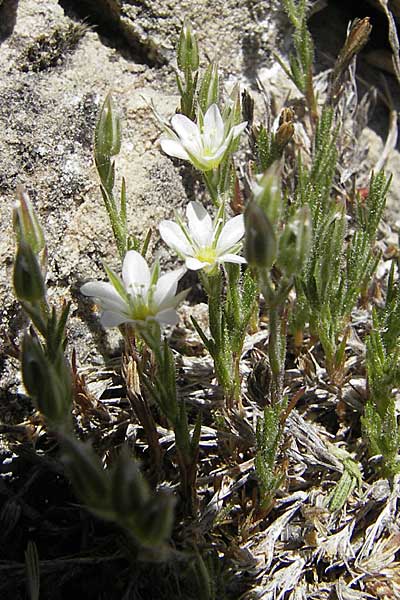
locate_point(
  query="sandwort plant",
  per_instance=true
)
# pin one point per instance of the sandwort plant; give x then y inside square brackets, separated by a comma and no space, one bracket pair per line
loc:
[284,249]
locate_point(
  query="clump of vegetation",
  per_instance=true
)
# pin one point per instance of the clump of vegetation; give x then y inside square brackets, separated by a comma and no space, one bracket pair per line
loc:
[51,50]
[204,504]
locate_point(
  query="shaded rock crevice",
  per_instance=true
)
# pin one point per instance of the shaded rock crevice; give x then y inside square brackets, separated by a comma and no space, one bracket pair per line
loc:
[8,18]
[106,17]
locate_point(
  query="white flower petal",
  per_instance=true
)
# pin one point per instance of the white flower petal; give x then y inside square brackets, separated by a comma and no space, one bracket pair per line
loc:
[135,273]
[206,163]
[186,129]
[213,130]
[113,319]
[173,148]
[174,237]
[231,233]
[193,146]
[200,224]
[164,295]
[167,317]
[193,264]
[105,293]
[232,258]
[237,130]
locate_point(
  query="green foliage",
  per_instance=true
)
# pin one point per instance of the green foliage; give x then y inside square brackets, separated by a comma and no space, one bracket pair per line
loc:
[260,243]
[47,379]
[120,494]
[209,88]
[314,185]
[45,372]
[342,258]
[369,212]
[228,322]
[270,145]
[268,435]
[350,478]
[161,385]
[380,421]
[300,68]
[309,242]
[107,143]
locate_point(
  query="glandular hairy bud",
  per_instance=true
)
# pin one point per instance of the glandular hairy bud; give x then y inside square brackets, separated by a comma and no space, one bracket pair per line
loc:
[284,134]
[91,482]
[286,116]
[187,52]
[267,194]
[25,222]
[260,241]
[295,242]
[209,88]
[356,39]
[28,278]
[108,131]
[48,386]
[130,491]
[154,526]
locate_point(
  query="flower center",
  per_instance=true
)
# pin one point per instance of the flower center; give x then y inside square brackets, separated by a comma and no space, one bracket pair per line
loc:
[207,254]
[141,307]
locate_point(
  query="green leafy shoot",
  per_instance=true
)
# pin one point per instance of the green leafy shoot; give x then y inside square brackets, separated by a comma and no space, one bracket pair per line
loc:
[268,435]
[380,421]
[342,259]
[300,68]
[107,143]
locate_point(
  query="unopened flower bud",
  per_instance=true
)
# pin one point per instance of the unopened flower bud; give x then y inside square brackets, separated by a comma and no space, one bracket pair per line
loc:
[130,491]
[260,240]
[28,278]
[91,482]
[49,388]
[284,134]
[295,242]
[155,523]
[267,194]
[187,53]
[209,88]
[286,116]
[26,225]
[356,39]
[108,131]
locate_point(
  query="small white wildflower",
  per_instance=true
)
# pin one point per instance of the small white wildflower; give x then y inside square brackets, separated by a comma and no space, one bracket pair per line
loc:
[140,296]
[204,145]
[204,244]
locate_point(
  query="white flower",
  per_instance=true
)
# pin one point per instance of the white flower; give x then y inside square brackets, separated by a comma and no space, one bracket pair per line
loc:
[140,296]
[206,144]
[204,244]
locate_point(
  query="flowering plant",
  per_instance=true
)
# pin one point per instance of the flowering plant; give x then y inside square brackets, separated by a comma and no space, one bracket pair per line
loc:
[204,244]
[141,296]
[205,143]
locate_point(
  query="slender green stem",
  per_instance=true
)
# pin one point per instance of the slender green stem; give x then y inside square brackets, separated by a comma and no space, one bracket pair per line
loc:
[211,187]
